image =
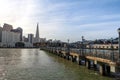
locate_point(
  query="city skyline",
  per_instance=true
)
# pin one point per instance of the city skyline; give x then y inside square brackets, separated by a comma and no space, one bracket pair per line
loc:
[63,20]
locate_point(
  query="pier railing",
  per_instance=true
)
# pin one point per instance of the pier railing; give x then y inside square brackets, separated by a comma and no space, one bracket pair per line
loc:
[112,55]
[105,54]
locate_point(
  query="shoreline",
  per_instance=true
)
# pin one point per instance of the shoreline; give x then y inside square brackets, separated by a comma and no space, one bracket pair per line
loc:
[21,48]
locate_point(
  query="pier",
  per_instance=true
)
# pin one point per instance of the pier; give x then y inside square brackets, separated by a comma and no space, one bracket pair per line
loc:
[102,60]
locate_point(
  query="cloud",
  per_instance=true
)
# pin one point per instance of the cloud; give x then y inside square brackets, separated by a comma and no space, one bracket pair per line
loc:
[62,19]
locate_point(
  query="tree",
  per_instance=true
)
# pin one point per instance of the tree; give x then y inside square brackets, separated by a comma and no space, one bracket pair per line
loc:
[19,44]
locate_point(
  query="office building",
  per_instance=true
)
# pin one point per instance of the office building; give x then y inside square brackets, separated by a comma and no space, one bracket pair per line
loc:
[18,30]
[1,34]
[10,38]
[30,38]
[7,27]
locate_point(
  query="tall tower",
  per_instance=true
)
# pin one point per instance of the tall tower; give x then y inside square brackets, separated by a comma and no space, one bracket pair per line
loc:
[37,33]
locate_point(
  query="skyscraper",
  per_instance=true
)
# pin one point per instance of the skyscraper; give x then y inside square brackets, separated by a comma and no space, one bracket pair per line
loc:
[10,38]
[18,30]
[30,38]
[37,34]
[1,33]
[7,27]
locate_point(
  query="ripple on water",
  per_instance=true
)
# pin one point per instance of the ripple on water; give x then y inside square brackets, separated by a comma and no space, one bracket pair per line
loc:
[33,64]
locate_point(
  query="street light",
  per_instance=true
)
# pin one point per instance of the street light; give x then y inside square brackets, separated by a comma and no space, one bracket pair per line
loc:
[82,45]
[68,45]
[68,41]
[112,50]
[68,50]
[119,42]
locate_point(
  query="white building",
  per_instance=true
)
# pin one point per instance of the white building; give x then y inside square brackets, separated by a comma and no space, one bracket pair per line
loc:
[1,34]
[10,38]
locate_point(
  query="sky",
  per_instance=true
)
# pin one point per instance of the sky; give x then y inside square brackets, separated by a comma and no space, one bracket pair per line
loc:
[63,19]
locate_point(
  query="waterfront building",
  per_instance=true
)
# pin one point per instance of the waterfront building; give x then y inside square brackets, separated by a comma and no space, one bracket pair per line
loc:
[50,40]
[42,40]
[7,27]
[27,44]
[10,38]
[18,30]
[25,39]
[1,34]
[30,38]
[102,46]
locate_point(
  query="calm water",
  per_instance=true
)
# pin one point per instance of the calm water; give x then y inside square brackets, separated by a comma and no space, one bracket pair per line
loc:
[33,64]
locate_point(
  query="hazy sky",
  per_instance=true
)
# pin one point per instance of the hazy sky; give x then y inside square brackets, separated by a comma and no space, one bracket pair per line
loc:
[63,19]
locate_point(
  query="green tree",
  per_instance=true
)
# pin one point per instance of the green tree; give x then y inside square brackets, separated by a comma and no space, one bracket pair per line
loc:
[19,44]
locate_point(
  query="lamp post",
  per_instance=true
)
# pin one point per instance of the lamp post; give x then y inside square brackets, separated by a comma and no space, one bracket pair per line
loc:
[68,51]
[68,41]
[68,46]
[112,49]
[119,43]
[82,45]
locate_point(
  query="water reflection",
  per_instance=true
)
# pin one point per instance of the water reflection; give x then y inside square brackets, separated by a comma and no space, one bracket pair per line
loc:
[33,64]
[7,58]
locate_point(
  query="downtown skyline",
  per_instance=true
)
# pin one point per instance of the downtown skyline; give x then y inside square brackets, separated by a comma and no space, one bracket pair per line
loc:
[63,19]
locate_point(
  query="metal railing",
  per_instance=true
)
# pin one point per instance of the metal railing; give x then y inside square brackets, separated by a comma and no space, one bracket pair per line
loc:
[105,54]
[112,55]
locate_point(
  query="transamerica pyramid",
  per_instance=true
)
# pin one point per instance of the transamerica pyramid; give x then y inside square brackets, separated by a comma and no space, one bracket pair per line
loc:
[37,38]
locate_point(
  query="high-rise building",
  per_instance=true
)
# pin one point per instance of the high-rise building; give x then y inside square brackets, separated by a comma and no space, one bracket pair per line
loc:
[18,30]
[37,38]
[1,34]
[10,38]
[7,27]
[30,38]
